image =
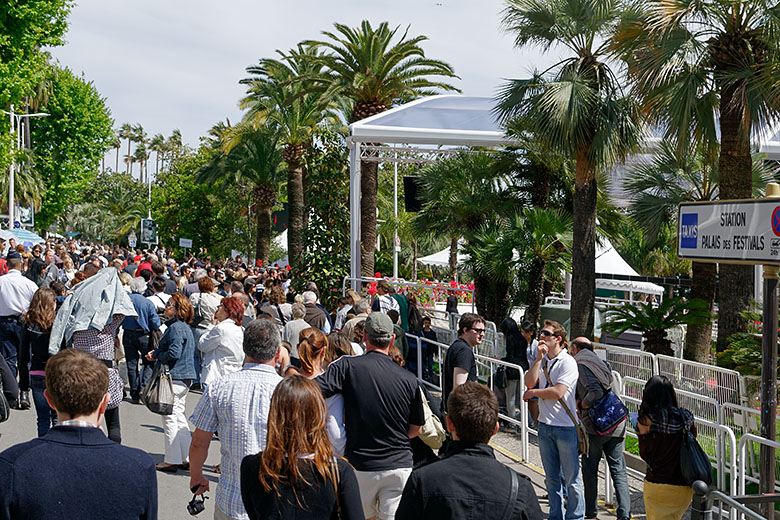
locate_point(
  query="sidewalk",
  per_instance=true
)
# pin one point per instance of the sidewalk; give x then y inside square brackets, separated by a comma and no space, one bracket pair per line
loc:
[507,448]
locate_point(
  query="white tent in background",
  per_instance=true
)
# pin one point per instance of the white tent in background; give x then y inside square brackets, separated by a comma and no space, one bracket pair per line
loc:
[609,261]
[442,258]
[281,240]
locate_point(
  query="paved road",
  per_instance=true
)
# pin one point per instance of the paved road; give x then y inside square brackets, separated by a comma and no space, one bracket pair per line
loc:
[143,429]
[140,429]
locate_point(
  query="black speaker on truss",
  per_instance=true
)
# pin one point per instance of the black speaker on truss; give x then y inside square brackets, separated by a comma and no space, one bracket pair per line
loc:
[412,200]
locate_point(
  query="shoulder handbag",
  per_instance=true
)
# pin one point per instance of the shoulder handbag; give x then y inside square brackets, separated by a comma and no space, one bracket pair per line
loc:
[281,316]
[432,432]
[198,318]
[583,443]
[5,408]
[500,376]
[607,413]
[694,463]
[510,505]
[158,394]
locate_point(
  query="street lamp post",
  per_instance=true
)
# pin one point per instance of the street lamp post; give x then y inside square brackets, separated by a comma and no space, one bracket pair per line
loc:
[16,135]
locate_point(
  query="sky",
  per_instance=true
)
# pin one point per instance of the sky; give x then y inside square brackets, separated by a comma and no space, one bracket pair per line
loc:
[176,63]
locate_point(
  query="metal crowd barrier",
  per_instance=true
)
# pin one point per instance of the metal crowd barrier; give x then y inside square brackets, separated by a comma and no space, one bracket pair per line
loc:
[727,386]
[403,283]
[744,477]
[628,361]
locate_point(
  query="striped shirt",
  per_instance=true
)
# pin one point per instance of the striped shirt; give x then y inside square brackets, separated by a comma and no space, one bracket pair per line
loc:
[237,405]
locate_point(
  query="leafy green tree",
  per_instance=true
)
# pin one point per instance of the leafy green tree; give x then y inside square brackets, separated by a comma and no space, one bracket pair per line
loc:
[255,161]
[707,71]
[106,183]
[578,107]
[657,187]
[653,321]
[279,97]
[326,239]
[25,28]
[69,144]
[375,70]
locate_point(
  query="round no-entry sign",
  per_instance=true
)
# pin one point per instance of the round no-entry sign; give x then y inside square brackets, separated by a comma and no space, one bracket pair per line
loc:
[776,221]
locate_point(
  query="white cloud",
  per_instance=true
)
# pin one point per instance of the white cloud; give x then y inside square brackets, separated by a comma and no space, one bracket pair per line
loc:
[176,63]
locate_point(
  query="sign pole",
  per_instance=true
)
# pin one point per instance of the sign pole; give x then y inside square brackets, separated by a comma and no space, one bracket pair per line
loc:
[769,372]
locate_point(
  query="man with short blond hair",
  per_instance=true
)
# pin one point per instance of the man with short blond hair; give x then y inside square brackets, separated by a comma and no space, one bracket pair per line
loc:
[74,471]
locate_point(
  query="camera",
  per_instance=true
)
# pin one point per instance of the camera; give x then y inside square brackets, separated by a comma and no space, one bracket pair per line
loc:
[196,506]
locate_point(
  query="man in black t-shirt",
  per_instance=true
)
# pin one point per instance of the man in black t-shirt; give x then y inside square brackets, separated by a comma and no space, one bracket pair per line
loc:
[383,410]
[460,365]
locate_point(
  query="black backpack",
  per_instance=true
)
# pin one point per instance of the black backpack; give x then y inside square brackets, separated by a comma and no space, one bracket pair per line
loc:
[415,320]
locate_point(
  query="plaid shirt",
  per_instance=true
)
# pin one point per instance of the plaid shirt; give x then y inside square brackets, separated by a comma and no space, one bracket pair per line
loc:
[237,405]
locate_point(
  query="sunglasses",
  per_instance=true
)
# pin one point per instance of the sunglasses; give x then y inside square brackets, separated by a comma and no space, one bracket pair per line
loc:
[544,333]
[478,331]
[169,304]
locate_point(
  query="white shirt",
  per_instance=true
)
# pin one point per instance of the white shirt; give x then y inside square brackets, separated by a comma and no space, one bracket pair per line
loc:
[237,405]
[159,300]
[334,423]
[531,352]
[563,369]
[223,351]
[16,291]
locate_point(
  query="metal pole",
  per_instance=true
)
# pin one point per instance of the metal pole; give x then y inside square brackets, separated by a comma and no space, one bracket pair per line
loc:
[11,172]
[354,214]
[769,373]
[395,214]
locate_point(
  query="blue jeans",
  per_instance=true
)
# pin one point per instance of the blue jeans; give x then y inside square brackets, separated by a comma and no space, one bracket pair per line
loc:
[558,448]
[136,345]
[46,416]
[613,448]
[10,339]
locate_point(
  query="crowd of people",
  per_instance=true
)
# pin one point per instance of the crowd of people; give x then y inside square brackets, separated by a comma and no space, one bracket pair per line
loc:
[319,412]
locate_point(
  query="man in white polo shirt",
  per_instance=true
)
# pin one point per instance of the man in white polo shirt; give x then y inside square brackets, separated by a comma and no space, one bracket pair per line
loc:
[557,431]
[16,291]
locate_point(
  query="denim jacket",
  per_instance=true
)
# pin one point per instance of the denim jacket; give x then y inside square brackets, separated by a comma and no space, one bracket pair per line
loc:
[177,349]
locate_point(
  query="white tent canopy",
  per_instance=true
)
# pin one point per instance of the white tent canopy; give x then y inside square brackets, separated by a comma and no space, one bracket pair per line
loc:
[609,261]
[447,120]
[442,258]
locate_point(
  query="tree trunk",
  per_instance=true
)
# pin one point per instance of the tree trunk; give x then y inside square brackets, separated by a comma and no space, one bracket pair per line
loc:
[414,262]
[453,257]
[535,295]
[698,338]
[128,154]
[735,164]
[656,342]
[583,284]
[117,159]
[491,299]
[540,195]
[295,208]
[263,245]
[368,187]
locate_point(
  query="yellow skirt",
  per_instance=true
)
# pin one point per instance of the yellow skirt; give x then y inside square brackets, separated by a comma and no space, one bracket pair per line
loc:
[665,501]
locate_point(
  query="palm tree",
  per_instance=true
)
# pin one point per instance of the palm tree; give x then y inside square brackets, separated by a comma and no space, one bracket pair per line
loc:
[157,145]
[461,191]
[280,98]
[707,69]
[117,144]
[139,137]
[653,321]
[657,187]
[126,132]
[141,154]
[174,146]
[371,68]
[254,159]
[578,107]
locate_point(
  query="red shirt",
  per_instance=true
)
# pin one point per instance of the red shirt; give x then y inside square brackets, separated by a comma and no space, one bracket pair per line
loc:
[142,266]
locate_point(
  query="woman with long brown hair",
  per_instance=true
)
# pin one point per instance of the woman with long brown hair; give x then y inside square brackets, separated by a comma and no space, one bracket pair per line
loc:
[312,347]
[33,354]
[298,476]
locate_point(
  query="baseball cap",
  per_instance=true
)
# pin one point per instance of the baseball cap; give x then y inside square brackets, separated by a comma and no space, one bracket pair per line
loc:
[379,326]
[12,254]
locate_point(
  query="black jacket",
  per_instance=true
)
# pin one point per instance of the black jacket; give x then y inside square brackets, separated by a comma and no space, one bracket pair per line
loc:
[467,483]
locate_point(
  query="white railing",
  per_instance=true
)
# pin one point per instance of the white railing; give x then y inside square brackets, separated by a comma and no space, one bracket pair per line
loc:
[628,361]
[743,457]
[727,386]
